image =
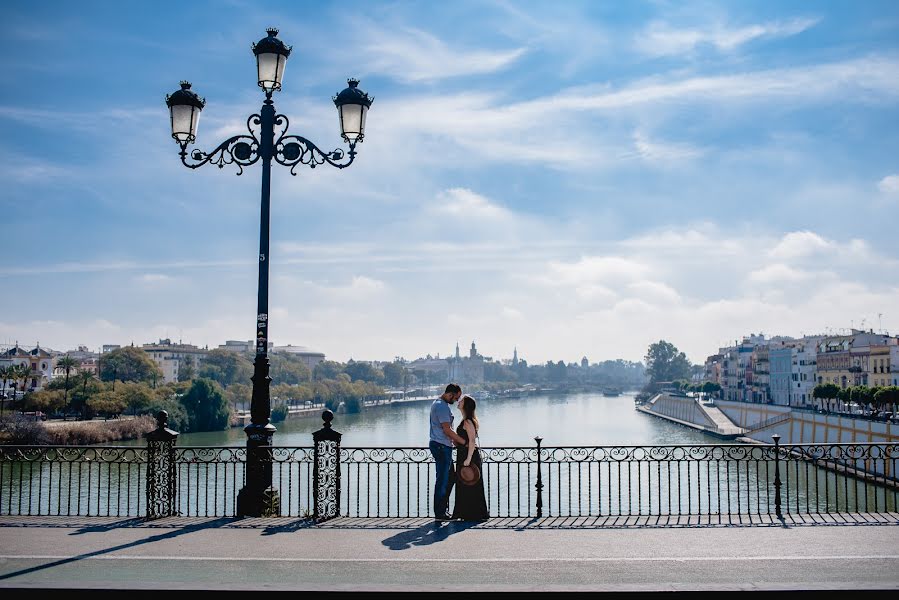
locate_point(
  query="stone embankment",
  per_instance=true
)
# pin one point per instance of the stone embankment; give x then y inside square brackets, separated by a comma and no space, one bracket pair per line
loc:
[758,422]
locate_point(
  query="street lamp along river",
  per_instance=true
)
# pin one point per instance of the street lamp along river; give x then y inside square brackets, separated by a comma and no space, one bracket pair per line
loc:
[258,497]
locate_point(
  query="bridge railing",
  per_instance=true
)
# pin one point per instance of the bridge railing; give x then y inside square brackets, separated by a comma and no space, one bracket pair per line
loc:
[528,481]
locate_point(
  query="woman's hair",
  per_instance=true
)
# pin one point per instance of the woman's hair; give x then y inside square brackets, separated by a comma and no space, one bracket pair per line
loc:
[468,408]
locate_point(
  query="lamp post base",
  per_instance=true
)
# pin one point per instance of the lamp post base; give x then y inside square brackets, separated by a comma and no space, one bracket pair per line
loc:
[258,503]
[258,498]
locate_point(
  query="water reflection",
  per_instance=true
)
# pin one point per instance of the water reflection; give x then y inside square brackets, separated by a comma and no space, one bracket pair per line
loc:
[562,420]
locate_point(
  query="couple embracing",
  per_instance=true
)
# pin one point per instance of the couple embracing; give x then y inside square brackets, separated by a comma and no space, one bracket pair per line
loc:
[471,505]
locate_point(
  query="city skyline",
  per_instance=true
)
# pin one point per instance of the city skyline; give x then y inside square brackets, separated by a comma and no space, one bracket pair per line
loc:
[688,173]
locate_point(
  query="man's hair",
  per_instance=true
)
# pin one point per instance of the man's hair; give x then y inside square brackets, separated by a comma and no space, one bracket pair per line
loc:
[452,388]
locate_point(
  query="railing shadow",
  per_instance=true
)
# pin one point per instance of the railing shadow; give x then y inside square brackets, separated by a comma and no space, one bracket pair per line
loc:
[173,533]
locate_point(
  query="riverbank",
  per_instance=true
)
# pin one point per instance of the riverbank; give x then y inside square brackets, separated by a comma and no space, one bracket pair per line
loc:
[18,431]
[759,422]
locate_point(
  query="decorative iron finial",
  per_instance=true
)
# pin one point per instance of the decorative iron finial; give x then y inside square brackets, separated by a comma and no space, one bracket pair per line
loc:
[162,419]
[272,31]
[327,417]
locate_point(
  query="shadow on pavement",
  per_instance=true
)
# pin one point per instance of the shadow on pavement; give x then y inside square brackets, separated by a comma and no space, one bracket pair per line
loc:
[183,530]
[426,526]
[427,534]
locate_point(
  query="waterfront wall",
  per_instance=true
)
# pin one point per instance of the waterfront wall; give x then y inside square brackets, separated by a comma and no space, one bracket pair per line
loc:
[801,426]
[682,409]
[807,427]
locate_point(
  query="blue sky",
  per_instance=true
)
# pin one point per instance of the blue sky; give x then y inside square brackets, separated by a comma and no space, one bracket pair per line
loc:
[574,178]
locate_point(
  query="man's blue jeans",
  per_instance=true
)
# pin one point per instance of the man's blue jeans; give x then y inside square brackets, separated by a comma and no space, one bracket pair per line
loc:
[444,480]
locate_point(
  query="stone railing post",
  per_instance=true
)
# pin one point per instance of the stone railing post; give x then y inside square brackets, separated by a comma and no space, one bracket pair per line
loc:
[162,476]
[326,470]
[539,485]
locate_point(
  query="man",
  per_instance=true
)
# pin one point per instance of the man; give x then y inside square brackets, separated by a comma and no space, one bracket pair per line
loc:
[442,438]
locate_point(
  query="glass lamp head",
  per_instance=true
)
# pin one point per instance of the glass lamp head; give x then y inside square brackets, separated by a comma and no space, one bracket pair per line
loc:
[184,109]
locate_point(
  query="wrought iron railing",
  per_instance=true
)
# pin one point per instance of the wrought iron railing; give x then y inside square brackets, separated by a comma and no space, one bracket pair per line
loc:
[328,480]
[776,419]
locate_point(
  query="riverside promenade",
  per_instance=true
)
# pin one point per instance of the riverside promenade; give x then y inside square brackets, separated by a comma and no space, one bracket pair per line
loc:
[623,554]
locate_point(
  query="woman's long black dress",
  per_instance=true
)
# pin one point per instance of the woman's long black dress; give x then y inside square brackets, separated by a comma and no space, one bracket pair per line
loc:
[471,505]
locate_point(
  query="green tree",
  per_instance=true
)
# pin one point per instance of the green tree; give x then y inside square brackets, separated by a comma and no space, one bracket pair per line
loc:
[279,413]
[22,372]
[128,364]
[178,420]
[136,396]
[186,370]
[393,374]
[361,371]
[226,367]
[710,387]
[845,396]
[826,392]
[6,373]
[66,363]
[286,368]
[107,402]
[862,395]
[206,407]
[47,401]
[239,394]
[887,397]
[664,362]
[327,369]
[87,382]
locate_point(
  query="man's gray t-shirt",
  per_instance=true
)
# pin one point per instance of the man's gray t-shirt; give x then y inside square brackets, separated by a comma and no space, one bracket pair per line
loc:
[440,413]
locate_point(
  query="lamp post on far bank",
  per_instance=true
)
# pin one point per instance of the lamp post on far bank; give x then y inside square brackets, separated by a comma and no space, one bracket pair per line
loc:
[258,497]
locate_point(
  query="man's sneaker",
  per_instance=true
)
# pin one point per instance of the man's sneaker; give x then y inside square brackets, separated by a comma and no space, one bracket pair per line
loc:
[443,518]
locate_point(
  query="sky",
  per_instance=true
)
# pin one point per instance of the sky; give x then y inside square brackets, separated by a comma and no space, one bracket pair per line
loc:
[571,178]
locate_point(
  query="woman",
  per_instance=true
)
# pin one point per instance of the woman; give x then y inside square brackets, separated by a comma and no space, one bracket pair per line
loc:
[470,502]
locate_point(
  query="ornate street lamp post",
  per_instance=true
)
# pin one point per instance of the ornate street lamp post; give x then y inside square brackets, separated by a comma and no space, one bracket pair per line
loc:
[258,497]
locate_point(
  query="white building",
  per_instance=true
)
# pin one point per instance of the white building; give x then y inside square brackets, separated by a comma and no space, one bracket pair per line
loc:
[171,357]
[803,378]
[39,362]
[893,367]
[242,347]
[309,357]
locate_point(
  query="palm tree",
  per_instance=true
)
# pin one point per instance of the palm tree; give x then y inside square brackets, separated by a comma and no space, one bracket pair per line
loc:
[22,372]
[67,363]
[84,377]
[6,373]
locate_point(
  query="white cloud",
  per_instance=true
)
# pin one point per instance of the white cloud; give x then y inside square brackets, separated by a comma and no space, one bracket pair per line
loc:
[655,292]
[412,55]
[889,184]
[661,39]
[595,269]
[559,129]
[798,244]
[153,279]
[464,203]
[662,152]
[778,273]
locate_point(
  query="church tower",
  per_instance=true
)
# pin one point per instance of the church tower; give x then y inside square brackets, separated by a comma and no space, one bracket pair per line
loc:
[515,357]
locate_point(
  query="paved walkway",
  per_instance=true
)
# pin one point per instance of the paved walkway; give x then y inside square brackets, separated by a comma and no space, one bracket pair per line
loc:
[608,554]
[722,422]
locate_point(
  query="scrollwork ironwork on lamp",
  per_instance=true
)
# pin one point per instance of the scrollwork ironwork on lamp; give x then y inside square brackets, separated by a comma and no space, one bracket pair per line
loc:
[261,144]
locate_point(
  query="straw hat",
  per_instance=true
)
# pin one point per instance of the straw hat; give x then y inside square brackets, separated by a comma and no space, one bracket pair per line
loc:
[469,475]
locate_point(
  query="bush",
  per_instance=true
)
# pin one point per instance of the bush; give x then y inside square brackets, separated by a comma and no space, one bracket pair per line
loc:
[279,413]
[206,407]
[17,430]
[178,420]
[21,431]
[100,432]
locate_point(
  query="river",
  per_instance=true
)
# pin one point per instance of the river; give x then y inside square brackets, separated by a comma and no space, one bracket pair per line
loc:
[585,419]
